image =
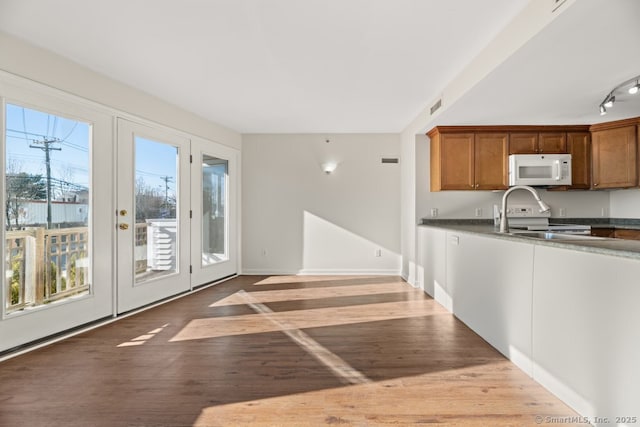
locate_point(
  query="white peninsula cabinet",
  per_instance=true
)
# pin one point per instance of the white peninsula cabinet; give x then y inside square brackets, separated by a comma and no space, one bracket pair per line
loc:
[489,281]
[586,332]
[567,317]
[431,253]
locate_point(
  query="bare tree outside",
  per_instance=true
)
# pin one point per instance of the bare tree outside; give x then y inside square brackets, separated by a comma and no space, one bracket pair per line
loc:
[152,202]
[20,187]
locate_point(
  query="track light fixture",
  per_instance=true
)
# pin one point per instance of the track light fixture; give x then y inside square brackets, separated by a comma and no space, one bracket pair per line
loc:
[610,99]
[608,102]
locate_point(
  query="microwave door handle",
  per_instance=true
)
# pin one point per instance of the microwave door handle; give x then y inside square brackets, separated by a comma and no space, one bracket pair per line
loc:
[558,170]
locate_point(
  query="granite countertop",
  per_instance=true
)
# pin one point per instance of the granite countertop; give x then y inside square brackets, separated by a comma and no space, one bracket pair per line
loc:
[604,246]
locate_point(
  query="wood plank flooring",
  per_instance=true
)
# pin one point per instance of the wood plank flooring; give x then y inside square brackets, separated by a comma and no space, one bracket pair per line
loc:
[277,351]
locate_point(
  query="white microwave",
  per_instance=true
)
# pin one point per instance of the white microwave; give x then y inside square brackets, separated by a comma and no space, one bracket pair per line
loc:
[540,169]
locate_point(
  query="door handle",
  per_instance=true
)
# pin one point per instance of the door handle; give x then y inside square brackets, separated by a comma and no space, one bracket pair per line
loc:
[123,226]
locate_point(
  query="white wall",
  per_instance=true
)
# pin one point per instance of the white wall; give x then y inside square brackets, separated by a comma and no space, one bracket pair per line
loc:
[625,203]
[26,60]
[462,204]
[297,219]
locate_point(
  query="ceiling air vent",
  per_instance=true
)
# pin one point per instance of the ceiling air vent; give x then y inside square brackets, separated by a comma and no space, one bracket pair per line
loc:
[389,160]
[435,107]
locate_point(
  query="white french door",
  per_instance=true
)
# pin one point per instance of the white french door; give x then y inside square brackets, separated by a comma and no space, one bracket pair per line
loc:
[57,158]
[152,215]
[103,215]
[214,173]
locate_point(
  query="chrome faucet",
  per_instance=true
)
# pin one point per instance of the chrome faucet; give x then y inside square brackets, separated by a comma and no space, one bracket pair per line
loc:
[504,224]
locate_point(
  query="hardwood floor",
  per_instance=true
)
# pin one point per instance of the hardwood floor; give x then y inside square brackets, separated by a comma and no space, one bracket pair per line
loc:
[277,351]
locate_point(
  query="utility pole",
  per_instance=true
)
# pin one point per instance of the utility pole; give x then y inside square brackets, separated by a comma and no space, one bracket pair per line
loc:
[45,145]
[167,180]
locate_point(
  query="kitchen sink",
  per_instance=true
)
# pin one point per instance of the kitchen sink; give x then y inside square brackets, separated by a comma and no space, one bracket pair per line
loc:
[547,235]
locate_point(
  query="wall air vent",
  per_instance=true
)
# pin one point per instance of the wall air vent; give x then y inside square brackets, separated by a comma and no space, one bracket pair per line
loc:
[389,160]
[435,107]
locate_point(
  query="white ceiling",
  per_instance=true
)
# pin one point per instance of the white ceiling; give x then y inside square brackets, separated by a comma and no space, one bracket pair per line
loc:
[563,73]
[272,65]
[289,66]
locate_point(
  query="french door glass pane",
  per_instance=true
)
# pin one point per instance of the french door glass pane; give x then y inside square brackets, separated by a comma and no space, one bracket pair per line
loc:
[156,199]
[47,208]
[214,209]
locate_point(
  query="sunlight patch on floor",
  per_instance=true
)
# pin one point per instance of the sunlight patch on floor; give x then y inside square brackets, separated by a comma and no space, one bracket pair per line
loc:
[141,339]
[309,318]
[281,280]
[316,293]
[448,397]
[345,372]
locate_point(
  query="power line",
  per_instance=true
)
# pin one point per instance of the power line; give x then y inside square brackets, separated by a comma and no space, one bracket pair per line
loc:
[24,123]
[71,131]
[39,135]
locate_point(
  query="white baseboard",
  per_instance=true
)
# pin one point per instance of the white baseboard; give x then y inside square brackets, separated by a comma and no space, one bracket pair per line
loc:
[565,393]
[409,281]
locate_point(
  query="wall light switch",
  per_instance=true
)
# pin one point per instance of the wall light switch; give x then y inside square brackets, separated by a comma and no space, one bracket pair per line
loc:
[478,212]
[563,212]
[434,212]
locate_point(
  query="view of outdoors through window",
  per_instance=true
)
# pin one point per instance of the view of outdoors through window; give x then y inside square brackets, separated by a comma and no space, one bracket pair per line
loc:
[155,209]
[46,201]
[214,194]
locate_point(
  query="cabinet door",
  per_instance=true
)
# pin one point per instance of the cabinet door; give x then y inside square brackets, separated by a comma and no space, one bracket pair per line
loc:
[614,158]
[579,146]
[491,161]
[523,143]
[627,234]
[552,142]
[602,232]
[457,161]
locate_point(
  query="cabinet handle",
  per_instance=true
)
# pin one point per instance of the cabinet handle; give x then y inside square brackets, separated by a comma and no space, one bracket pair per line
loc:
[595,185]
[477,185]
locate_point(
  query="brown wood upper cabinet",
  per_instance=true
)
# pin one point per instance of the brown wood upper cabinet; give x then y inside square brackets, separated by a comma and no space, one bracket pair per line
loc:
[537,142]
[579,146]
[614,155]
[604,155]
[468,160]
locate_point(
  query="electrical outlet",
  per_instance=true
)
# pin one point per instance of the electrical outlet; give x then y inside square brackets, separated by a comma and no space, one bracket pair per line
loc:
[434,212]
[378,252]
[603,212]
[478,212]
[563,212]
